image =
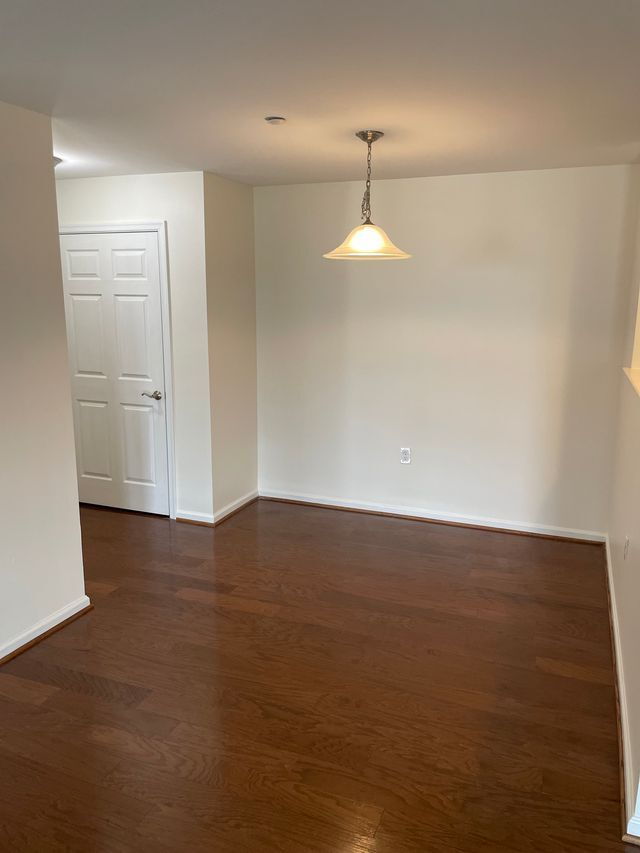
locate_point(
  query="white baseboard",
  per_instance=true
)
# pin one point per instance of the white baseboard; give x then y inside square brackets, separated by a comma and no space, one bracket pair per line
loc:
[200,517]
[434,515]
[633,825]
[227,509]
[44,625]
[220,514]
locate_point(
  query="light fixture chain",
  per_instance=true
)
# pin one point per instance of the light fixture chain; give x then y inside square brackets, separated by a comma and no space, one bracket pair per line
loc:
[366,198]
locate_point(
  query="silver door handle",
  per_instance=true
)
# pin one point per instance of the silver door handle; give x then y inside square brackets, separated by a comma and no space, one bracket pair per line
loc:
[156,395]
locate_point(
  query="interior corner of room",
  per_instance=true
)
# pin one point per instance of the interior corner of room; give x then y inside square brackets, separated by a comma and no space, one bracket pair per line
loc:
[199,353]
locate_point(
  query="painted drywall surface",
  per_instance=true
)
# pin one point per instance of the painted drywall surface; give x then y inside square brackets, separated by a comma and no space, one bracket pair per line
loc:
[625,521]
[176,198]
[494,353]
[40,551]
[231,310]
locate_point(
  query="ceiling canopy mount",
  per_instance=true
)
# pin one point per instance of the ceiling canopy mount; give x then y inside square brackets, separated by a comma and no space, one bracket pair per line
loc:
[370,135]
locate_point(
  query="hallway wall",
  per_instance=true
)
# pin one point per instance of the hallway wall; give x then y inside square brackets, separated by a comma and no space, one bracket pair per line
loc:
[178,199]
[40,551]
[231,312]
[624,560]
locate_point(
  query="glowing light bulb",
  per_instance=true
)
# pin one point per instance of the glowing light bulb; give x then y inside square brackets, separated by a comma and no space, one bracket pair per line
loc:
[366,239]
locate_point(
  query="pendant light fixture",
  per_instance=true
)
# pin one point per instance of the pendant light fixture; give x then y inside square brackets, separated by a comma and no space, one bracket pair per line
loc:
[367,241]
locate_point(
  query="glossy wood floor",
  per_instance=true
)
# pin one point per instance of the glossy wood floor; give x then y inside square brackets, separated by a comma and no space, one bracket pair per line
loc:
[306,679]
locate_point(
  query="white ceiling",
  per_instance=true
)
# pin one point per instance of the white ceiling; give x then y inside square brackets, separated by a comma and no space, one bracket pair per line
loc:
[458,85]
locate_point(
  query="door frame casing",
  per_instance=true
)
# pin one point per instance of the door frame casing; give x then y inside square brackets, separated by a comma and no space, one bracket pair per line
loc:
[160,230]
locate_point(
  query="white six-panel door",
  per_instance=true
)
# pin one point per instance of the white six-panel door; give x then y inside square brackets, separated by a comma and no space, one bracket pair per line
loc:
[114,330]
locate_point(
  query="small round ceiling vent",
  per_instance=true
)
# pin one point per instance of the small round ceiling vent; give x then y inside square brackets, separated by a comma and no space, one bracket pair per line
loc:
[275,119]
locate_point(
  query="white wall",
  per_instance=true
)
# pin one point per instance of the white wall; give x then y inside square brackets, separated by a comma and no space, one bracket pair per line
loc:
[231,309]
[41,577]
[494,353]
[179,200]
[624,521]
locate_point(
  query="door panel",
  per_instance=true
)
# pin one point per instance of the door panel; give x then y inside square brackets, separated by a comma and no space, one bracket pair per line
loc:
[132,333]
[129,263]
[83,263]
[114,329]
[94,439]
[88,334]
[137,429]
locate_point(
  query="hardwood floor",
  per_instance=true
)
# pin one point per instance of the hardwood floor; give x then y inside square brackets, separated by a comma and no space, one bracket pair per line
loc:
[304,679]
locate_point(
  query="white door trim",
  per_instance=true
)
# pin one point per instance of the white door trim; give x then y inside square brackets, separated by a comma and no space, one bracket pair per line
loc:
[160,229]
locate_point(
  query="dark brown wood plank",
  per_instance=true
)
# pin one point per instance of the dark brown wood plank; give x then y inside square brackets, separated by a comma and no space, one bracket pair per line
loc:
[304,679]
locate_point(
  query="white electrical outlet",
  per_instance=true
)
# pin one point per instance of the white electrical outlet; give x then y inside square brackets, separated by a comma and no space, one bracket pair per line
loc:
[626,547]
[405,455]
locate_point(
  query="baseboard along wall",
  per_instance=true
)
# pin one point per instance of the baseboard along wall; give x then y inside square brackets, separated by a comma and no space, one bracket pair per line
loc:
[220,515]
[421,514]
[44,627]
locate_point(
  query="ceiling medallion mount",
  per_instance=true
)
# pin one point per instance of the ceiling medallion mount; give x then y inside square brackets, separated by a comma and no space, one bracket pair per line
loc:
[370,135]
[367,241]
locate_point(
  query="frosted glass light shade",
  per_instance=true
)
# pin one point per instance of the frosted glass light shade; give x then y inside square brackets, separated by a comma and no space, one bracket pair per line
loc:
[367,242]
